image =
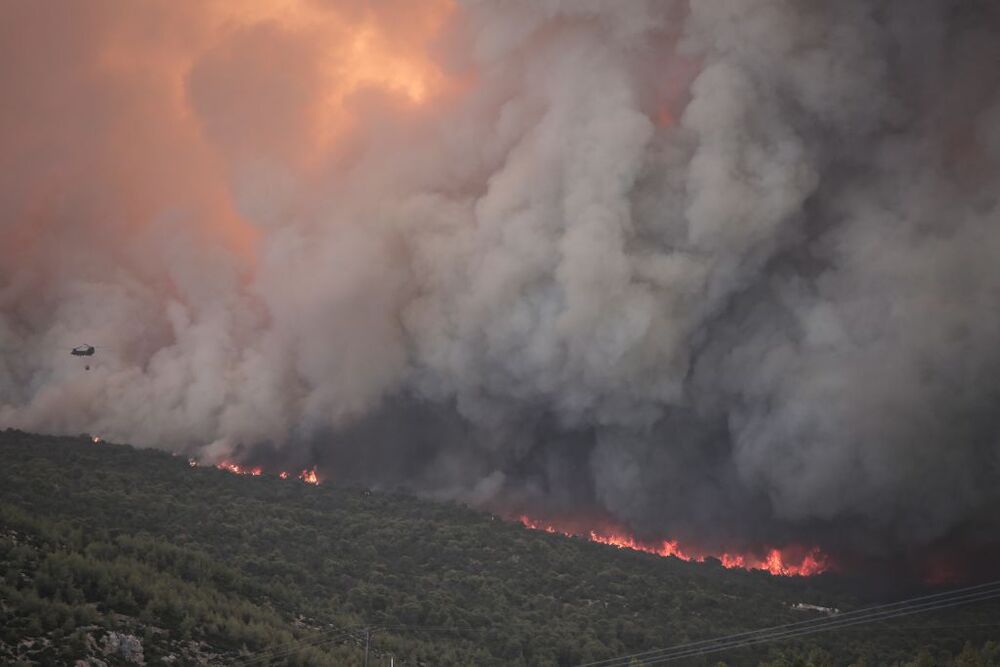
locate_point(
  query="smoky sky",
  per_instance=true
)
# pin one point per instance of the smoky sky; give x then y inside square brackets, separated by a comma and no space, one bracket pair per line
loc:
[726,271]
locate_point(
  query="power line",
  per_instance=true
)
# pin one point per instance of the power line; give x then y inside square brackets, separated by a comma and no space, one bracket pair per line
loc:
[806,623]
[325,637]
[965,626]
[723,644]
[789,630]
[436,628]
[284,650]
[874,614]
[790,635]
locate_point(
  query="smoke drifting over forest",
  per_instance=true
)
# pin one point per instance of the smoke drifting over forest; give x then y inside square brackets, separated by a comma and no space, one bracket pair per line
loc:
[721,270]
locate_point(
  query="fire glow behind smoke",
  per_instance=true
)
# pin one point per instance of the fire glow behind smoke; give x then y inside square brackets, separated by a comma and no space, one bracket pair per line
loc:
[783,562]
[726,272]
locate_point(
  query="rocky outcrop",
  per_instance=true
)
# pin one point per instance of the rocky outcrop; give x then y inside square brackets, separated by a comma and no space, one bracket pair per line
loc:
[125,646]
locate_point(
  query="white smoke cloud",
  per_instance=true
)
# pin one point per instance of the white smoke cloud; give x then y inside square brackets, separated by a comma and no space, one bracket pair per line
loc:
[735,258]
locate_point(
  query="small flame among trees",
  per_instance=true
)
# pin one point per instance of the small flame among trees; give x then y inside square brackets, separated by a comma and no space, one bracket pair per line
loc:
[309,476]
[788,562]
[237,469]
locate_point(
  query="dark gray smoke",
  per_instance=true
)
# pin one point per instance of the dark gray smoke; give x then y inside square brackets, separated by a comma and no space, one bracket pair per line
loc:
[727,271]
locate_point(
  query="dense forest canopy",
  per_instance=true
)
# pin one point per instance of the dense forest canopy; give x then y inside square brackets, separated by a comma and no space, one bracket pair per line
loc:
[217,568]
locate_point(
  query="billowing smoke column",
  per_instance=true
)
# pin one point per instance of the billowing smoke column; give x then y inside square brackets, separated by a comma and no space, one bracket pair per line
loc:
[723,271]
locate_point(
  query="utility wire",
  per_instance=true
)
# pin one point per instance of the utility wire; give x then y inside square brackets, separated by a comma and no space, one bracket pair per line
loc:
[436,628]
[789,630]
[321,638]
[790,635]
[805,623]
[658,656]
[292,648]
[944,627]
[284,650]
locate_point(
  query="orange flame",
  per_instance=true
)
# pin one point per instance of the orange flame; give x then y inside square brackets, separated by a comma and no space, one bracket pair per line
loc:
[237,469]
[96,440]
[308,476]
[776,561]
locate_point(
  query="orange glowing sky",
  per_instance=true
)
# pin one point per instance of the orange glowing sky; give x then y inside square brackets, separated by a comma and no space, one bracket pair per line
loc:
[384,47]
[125,111]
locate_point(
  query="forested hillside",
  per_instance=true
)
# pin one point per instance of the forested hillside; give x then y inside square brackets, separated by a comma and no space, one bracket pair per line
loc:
[107,551]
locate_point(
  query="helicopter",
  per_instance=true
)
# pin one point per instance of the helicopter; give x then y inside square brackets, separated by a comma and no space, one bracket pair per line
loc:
[83,351]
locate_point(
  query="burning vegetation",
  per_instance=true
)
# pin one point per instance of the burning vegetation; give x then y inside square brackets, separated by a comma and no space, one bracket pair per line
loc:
[791,561]
[308,475]
[788,561]
[237,469]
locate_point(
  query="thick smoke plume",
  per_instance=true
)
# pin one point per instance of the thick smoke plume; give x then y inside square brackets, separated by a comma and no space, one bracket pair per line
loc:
[721,270]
